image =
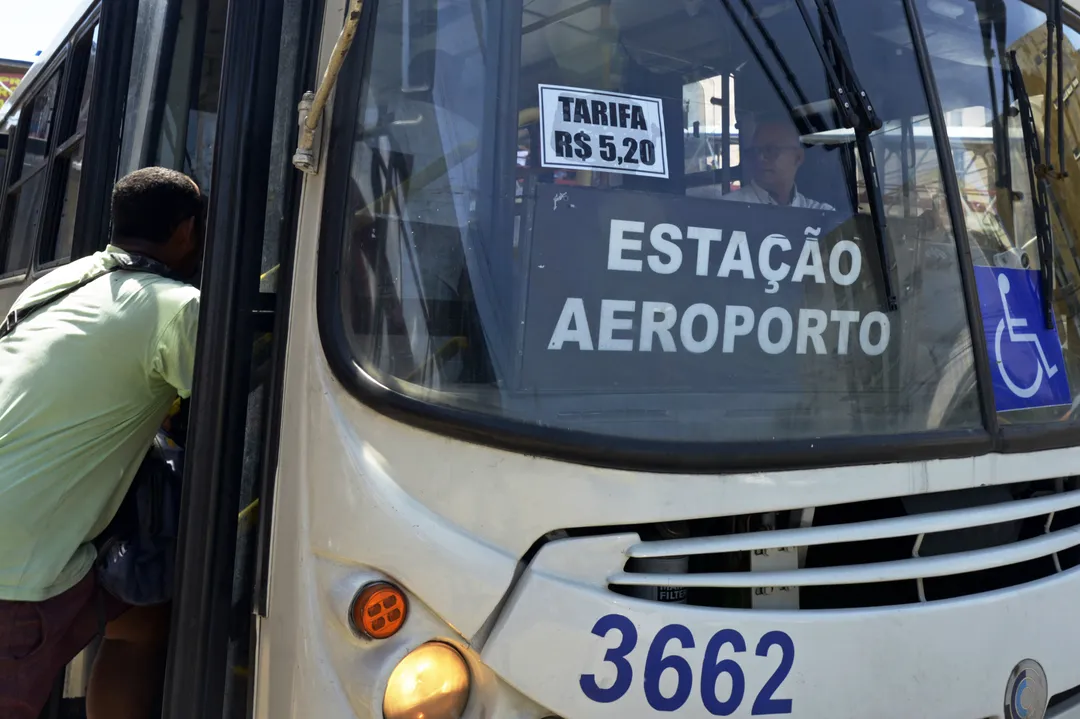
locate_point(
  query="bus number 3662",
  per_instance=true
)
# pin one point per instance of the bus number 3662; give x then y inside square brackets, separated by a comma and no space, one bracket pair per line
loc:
[712,669]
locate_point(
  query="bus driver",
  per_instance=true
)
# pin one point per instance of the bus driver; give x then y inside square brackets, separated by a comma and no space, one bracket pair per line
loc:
[773,159]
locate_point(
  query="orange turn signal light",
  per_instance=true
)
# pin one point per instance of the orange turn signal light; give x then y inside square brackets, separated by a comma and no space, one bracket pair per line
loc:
[379,610]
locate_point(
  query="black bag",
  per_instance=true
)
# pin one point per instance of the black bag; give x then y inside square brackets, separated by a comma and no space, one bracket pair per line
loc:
[137,552]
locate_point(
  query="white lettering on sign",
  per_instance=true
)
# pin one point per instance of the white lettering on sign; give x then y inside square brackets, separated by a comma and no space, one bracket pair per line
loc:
[626,325]
[626,248]
[769,319]
[657,319]
[700,329]
[712,328]
[773,274]
[609,324]
[619,244]
[602,131]
[812,324]
[738,322]
[573,326]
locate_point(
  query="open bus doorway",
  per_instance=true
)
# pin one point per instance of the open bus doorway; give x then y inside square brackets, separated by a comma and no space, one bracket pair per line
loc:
[174,119]
[181,115]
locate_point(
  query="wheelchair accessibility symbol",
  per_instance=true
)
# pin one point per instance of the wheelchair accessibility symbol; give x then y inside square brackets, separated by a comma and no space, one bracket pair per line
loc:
[1028,363]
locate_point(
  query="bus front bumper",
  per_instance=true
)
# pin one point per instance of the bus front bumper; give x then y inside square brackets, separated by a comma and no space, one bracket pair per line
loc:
[570,644]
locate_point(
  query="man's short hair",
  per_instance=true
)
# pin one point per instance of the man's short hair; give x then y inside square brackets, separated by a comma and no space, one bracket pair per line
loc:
[149,204]
[785,123]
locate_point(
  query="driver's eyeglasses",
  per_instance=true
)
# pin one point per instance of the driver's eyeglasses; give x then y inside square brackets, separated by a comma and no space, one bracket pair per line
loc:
[771,152]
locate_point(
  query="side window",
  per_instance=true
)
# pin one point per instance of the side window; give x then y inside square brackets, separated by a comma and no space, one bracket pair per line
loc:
[711,134]
[973,55]
[9,130]
[26,189]
[3,155]
[68,153]
[187,125]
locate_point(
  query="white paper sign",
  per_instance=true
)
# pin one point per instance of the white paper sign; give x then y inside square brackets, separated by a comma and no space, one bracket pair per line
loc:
[602,131]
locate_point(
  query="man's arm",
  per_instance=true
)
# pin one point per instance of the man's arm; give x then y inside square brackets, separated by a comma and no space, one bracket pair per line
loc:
[174,358]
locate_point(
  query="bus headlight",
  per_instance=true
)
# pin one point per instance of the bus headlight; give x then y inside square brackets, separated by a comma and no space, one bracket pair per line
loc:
[431,682]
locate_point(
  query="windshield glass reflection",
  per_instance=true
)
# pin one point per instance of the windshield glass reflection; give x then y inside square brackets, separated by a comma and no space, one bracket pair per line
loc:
[652,220]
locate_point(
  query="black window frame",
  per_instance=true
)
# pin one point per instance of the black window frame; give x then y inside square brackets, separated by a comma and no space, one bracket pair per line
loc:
[5,153]
[65,141]
[16,183]
[71,60]
[105,124]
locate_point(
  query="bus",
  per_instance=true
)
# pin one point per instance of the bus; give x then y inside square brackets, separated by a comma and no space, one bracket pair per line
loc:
[601,358]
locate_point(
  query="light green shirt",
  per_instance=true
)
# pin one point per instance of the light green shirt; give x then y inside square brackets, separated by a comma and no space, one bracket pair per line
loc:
[85,383]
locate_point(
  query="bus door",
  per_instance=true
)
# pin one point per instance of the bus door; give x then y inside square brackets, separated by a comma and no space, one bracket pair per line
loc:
[209,87]
[228,118]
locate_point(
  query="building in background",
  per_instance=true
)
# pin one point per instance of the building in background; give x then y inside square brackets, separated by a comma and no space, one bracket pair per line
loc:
[11,74]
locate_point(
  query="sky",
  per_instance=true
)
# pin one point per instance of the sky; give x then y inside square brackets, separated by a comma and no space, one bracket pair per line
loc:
[30,25]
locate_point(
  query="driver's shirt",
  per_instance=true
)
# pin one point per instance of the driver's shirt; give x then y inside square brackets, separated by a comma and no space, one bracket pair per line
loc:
[757,195]
[85,383]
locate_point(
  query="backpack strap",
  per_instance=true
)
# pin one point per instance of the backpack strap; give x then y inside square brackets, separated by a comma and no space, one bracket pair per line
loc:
[133,263]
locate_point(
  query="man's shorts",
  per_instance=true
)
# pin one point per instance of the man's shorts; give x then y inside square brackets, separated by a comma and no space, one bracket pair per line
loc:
[39,639]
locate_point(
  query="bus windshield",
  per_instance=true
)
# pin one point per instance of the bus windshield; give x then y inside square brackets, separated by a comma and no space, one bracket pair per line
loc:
[651,220]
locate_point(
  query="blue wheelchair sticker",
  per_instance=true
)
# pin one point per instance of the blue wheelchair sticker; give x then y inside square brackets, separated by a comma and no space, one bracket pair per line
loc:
[1027,363]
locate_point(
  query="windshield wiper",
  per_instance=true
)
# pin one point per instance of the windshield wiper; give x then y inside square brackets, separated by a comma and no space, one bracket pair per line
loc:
[857,112]
[854,105]
[877,213]
[1037,173]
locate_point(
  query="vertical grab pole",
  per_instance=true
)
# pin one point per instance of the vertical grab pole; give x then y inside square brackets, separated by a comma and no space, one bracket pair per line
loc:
[1060,12]
[725,133]
[1048,97]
